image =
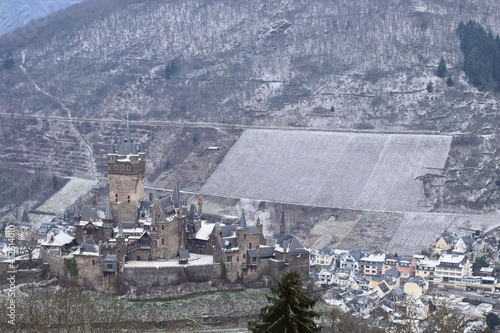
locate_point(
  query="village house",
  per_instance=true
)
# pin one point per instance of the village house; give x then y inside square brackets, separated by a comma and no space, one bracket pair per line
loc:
[416,285]
[350,260]
[452,267]
[372,264]
[464,244]
[322,257]
[425,268]
[443,244]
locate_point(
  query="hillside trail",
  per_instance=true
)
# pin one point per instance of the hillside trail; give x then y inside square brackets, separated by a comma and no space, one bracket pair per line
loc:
[73,128]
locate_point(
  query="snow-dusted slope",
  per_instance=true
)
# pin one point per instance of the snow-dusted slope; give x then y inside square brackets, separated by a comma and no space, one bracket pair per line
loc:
[342,170]
[15,13]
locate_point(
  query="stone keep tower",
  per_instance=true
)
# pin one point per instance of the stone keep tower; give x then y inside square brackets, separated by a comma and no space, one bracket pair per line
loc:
[126,166]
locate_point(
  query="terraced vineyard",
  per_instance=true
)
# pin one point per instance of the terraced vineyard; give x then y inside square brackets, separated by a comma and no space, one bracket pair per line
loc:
[356,171]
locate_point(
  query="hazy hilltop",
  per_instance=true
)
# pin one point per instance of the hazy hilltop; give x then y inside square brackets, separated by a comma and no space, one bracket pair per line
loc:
[325,64]
[15,13]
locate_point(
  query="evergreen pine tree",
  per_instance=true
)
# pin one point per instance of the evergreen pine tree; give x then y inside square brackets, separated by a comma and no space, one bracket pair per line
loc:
[441,70]
[290,309]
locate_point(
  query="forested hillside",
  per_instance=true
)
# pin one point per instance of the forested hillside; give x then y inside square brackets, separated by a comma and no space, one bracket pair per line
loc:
[317,64]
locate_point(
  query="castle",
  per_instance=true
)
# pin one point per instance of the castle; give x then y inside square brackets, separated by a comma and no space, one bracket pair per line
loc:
[163,230]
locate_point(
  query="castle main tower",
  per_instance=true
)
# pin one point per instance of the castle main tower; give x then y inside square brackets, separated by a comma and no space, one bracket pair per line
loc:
[126,167]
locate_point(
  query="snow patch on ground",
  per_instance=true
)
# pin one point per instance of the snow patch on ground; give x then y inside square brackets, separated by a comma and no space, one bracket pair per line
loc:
[62,199]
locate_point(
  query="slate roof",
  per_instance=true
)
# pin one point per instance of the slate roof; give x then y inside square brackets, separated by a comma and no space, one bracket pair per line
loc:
[266,251]
[243,221]
[416,279]
[192,213]
[89,246]
[447,238]
[391,273]
[127,225]
[107,213]
[468,240]
[356,254]
[88,213]
[398,291]
[253,230]
[176,196]
[383,286]
[111,258]
[325,251]
[227,230]
[126,145]
[183,254]
[291,245]
[229,243]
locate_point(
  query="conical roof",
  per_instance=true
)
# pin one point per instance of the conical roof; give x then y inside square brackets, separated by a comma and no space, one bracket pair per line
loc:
[192,213]
[108,215]
[176,196]
[243,221]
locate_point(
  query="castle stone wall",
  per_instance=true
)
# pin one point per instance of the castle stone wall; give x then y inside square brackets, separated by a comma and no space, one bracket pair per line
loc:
[153,276]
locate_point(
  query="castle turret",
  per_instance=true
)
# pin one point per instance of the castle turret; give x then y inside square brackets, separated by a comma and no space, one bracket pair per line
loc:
[126,167]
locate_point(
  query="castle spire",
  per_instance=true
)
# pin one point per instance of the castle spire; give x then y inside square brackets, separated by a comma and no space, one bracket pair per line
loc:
[282,226]
[108,216]
[192,213]
[176,196]
[243,222]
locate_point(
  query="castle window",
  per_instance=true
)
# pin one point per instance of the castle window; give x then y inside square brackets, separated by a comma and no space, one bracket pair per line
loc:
[229,258]
[245,236]
[116,197]
[162,227]
[128,198]
[244,256]
[250,245]
[238,259]
[128,167]
[93,262]
[123,167]
[110,266]
[116,167]
[163,241]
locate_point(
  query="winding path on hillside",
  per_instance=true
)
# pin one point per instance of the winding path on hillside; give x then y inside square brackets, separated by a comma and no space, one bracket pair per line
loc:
[73,128]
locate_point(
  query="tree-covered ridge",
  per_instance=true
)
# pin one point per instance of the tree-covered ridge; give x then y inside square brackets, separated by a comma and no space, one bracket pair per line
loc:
[481,52]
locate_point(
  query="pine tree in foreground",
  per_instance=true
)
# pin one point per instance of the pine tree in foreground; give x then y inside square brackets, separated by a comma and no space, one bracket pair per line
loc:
[290,310]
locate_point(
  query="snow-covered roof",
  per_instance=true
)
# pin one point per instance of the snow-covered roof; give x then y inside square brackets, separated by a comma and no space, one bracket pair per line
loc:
[60,239]
[451,258]
[205,230]
[374,257]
